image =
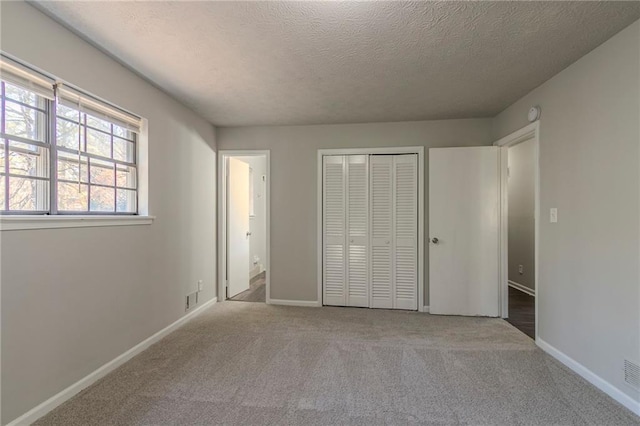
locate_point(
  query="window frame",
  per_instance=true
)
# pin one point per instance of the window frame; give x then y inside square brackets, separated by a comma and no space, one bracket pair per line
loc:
[83,153]
[50,143]
[7,138]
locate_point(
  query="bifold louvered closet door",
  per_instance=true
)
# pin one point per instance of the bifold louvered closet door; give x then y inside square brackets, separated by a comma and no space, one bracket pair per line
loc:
[370,215]
[346,230]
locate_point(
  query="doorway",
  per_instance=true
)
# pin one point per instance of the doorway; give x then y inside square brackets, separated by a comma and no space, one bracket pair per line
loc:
[244,226]
[519,228]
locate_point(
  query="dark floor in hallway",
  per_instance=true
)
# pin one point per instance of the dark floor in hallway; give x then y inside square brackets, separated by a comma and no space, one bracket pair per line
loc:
[522,312]
[256,292]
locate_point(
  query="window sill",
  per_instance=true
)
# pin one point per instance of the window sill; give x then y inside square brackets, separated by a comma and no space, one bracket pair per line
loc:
[25,222]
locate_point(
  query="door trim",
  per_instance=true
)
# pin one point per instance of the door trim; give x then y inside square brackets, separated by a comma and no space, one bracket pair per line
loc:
[222,222]
[530,132]
[419,150]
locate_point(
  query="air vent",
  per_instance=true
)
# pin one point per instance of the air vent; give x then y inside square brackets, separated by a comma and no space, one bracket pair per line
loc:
[192,300]
[632,374]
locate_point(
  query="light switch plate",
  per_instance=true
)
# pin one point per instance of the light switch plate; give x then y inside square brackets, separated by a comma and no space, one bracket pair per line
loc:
[553,215]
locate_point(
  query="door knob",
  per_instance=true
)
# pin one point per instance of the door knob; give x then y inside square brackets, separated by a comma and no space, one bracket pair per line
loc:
[435,240]
[248,234]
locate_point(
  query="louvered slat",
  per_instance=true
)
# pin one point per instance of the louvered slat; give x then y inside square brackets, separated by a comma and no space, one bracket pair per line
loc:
[405,227]
[358,285]
[334,200]
[333,231]
[357,231]
[334,271]
[381,189]
[381,272]
[405,273]
[357,197]
[381,203]
[406,197]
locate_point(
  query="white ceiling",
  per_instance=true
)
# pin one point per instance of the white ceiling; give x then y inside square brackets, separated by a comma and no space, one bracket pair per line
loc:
[262,63]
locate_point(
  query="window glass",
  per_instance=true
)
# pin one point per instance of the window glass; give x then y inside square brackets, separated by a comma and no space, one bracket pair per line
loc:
[73,197]
[104,166]
[24,151]
[102,199]
[26,194]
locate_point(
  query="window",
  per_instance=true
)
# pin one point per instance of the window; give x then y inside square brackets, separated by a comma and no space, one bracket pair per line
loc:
[63,151]
[25,150]
[96,164]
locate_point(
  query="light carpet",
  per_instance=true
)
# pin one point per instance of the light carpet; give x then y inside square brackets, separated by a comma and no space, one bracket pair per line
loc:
[254,364]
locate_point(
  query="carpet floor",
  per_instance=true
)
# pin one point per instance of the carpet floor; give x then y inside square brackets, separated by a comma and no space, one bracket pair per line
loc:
[255,364]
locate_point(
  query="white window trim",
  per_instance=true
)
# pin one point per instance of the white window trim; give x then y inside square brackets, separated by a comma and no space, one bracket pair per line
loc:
[31,222]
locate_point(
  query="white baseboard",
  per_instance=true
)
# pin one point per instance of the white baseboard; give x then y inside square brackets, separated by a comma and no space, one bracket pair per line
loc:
[522,288]
[305,303]
[314,304]
[591,377]
[66,394]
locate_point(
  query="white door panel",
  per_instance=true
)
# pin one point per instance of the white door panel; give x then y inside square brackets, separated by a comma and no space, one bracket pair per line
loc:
[357,230]
[405,169]
[334,224]
[464,216]
[381,184]
[238,227]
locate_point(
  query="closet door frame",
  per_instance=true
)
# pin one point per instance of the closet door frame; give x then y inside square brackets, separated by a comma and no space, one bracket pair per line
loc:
[419,150]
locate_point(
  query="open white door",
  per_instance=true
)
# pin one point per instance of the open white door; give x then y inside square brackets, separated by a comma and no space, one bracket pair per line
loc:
[464,208]
[238,253]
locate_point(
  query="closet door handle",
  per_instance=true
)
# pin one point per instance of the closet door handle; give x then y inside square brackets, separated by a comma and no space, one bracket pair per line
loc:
[435,240]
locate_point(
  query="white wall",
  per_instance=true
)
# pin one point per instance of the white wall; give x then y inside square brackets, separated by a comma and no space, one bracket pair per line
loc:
[589,283]
[258,222]
[521,188]
[74,299]
[294,151]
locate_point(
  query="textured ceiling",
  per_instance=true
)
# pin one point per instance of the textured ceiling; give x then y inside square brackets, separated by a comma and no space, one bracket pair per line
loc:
[261,63]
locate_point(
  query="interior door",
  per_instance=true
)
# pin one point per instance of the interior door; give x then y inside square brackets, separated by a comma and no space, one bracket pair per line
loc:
[357,230]
[405,221]
[381,183]
[464,206]
[238,254]
[333,239]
